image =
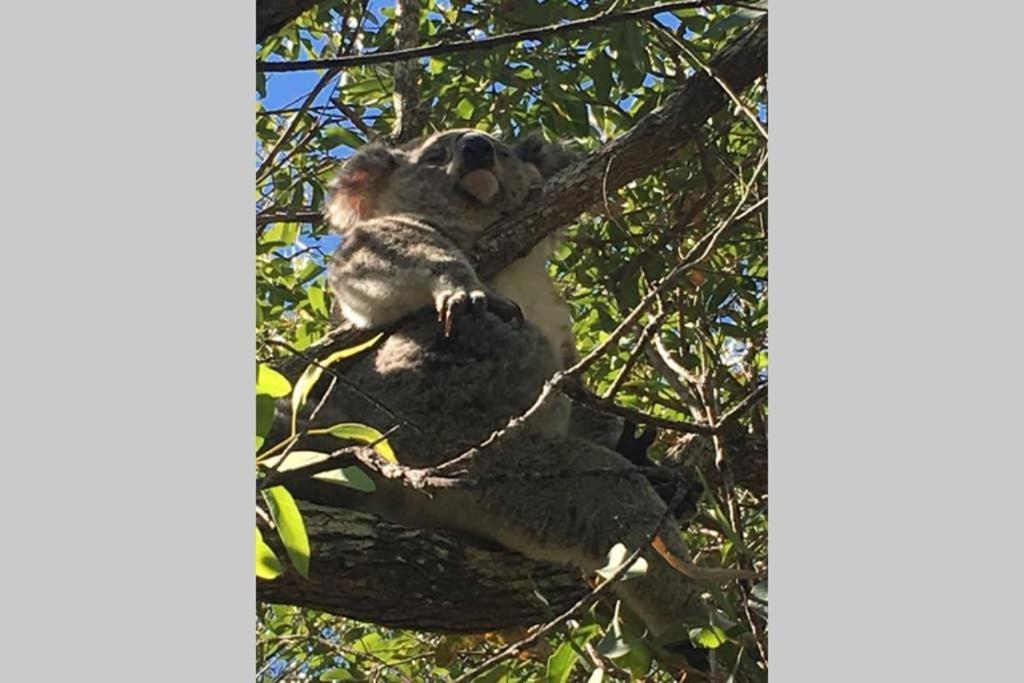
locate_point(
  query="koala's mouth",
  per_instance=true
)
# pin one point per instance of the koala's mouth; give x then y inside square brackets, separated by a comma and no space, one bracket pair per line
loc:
[480,184]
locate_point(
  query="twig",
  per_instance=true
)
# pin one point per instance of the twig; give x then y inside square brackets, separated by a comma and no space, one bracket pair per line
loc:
[633,356]
[738,409]
[602,18]
[697,62]
[267,164]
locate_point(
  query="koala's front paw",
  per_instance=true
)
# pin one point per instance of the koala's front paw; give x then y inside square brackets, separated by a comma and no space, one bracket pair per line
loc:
[477,301]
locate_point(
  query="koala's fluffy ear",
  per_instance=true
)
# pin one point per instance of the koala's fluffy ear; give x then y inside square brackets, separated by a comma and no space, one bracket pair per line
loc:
[548,157]
[356,187]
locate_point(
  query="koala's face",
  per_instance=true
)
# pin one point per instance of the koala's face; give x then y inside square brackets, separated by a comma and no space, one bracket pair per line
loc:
[461,180]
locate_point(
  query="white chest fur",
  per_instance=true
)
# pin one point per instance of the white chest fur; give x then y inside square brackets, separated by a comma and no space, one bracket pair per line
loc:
[527,283]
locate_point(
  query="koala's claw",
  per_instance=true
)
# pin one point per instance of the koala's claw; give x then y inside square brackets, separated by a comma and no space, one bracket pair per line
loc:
[506,309]
[454,303]
[476,302]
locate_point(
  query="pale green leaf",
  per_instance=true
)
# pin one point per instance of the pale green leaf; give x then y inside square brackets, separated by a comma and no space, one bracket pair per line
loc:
[710,637]
[312,373]
[352,476]
[271,382]
[561,663]
[267,565]
[363,434]
[465,108]
[290,526]
[317,300]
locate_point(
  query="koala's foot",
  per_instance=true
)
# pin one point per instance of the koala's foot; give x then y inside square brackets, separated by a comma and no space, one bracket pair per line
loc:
[634,446]
[456,302]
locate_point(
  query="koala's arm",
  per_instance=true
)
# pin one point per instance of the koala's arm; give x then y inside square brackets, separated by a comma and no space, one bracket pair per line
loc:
[389,267]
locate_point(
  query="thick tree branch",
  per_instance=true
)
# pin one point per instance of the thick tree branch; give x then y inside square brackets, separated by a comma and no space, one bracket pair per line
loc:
[601,19]
[369,569]
[651,142]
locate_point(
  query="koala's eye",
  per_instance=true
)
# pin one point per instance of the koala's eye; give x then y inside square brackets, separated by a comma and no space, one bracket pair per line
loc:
[504,153]
[436,156]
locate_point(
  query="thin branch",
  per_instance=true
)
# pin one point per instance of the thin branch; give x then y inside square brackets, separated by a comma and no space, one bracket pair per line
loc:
[267,164]
[738,409]
[698,63]
[602,18]
[653,140]
[606,405]
[638,348]
[274,216]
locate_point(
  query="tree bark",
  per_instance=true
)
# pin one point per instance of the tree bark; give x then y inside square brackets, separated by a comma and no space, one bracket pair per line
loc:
[274,15]
[372,570]
[651,142]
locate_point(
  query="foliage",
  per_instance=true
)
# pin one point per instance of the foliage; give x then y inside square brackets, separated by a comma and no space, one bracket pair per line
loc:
[589,86]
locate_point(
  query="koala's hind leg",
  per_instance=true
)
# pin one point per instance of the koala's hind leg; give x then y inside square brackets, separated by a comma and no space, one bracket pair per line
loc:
[569,501]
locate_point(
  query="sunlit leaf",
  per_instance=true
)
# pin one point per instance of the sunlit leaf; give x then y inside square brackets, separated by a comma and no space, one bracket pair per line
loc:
[709,637]
[290,526]
[267,565]
[313,372]
[270,382]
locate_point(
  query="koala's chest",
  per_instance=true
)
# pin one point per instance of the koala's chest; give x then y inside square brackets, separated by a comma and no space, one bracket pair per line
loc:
[527,282]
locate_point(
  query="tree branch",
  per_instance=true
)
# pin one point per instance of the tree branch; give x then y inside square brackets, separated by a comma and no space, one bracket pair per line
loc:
[651,142]
[370,569]
[274,15]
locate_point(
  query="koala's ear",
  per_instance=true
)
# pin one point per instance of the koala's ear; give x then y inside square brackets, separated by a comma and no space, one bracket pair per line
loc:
[359,181]
[548,157]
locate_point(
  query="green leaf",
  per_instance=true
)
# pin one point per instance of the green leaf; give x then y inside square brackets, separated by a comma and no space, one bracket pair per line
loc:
[317,301]
[267,565]
[338,675]
[465,109]
[709,637]
[617,556]
[561,663]
[264,415]
[312,373]
[363,434]
[352,476]
[336,136]
[290,526]
[601,72]
[270,382]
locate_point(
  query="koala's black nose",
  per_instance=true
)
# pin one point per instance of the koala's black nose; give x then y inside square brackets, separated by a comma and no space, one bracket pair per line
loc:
[476,151]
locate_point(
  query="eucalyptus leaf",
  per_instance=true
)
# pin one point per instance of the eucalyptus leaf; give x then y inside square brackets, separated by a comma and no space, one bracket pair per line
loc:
[290,526]
[267,565]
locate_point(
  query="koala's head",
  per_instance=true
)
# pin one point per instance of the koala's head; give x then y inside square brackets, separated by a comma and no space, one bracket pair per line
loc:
[461,181]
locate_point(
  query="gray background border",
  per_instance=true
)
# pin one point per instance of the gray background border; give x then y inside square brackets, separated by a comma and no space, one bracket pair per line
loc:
[895,382]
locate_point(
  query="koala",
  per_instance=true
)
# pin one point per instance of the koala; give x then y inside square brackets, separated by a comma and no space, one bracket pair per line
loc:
[409,215]
[467,357]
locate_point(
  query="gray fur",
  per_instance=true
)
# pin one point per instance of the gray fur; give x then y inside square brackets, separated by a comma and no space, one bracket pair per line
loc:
[405,241]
